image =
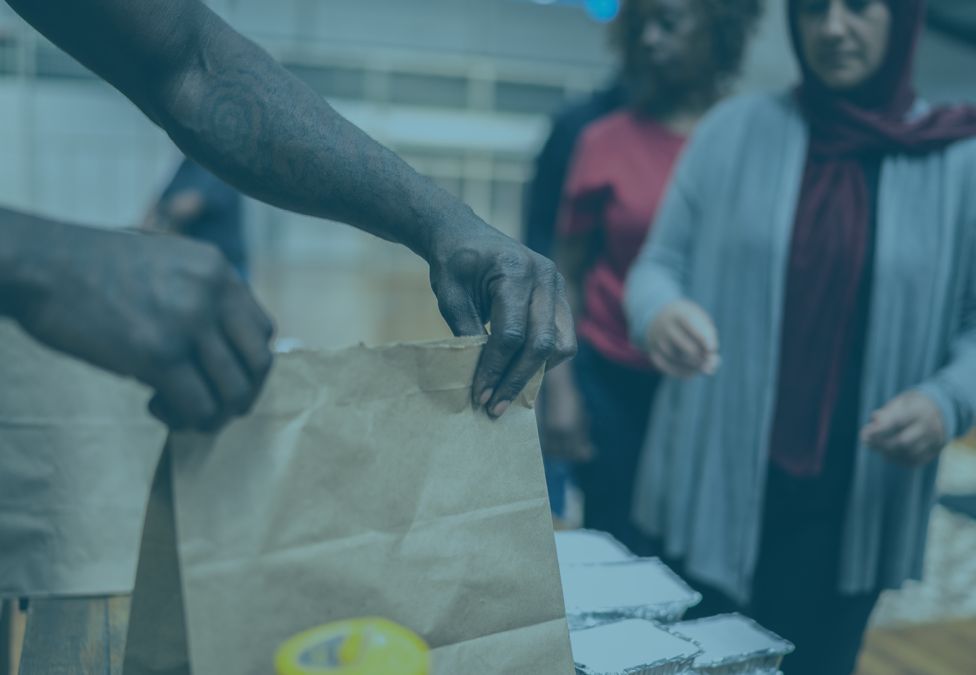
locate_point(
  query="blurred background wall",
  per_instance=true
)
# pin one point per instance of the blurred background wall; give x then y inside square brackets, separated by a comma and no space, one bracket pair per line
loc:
[461,88]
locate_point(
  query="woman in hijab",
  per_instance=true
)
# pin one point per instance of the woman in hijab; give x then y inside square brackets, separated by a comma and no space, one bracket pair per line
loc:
[678,58]
[820,246]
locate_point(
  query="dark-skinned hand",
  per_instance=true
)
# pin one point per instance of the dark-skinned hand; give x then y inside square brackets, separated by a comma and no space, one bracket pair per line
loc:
[164,310]
[484,277]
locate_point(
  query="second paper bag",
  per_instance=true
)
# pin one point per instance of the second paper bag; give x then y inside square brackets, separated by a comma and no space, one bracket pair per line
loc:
[364,484]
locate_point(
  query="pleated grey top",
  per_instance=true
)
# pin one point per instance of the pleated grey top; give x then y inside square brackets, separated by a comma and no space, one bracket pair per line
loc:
[722,239]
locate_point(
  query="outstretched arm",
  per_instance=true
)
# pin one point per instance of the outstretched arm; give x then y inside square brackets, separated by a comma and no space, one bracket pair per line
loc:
[231,107]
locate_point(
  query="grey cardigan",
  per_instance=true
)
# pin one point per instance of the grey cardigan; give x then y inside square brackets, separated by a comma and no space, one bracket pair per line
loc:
[722,239]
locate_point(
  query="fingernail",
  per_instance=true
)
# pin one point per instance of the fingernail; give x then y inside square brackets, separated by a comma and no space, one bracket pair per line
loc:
[486,396]
[500,409]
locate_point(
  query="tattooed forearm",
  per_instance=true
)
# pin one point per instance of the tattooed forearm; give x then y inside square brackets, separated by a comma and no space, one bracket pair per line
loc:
[228,104]
[232,108]
[245,117]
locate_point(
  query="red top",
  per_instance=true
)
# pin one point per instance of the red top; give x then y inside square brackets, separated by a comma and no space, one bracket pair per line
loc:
[616,183]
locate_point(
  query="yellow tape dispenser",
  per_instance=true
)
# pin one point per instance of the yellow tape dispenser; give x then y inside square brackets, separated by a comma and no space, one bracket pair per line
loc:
[369,646]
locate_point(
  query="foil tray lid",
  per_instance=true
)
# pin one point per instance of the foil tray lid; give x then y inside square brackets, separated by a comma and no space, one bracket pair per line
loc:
[626,588]
[632,647]
[587,547]
[734,640]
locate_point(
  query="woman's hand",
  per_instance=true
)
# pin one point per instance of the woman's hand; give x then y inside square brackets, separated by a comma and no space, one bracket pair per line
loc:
[683,342]
[908,430]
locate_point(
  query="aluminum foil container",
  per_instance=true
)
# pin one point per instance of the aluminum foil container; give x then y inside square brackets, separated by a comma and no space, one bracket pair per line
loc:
[734,645]
[631,648]
[642,588]
[588,547]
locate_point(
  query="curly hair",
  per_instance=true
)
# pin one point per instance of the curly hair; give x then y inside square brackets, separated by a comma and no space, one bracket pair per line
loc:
[730,24]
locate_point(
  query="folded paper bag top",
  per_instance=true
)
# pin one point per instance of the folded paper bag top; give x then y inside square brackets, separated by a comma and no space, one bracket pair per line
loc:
[370,646]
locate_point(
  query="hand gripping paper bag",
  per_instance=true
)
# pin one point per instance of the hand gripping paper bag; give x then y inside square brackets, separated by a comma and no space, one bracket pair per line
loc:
[363,484]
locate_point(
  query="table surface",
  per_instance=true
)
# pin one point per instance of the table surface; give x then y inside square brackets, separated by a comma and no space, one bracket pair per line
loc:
[76,636]
[86,636]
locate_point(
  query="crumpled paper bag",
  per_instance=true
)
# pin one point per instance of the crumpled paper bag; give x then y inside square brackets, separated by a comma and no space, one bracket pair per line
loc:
[363,484]
[78,452]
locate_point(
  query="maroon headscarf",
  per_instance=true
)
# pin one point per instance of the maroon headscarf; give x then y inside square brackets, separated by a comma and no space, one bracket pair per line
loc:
[832,227]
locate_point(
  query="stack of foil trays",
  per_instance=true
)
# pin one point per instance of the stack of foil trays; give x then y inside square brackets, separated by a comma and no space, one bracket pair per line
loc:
[734,645]
[622,612]
[643,588]
[632,648]
[604,582]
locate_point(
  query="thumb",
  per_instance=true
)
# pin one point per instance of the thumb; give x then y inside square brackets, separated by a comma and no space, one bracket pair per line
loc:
[699,327]
[888,420]
[458,309]
[705,328]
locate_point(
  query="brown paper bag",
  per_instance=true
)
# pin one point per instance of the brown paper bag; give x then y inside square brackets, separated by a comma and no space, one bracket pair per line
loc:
[156,640]
[78,451]
[363,484]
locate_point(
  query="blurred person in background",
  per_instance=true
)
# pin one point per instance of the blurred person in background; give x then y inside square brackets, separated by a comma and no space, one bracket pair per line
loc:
[545,192]
[543,198]
[197,204]
[678,57]
[821,243]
